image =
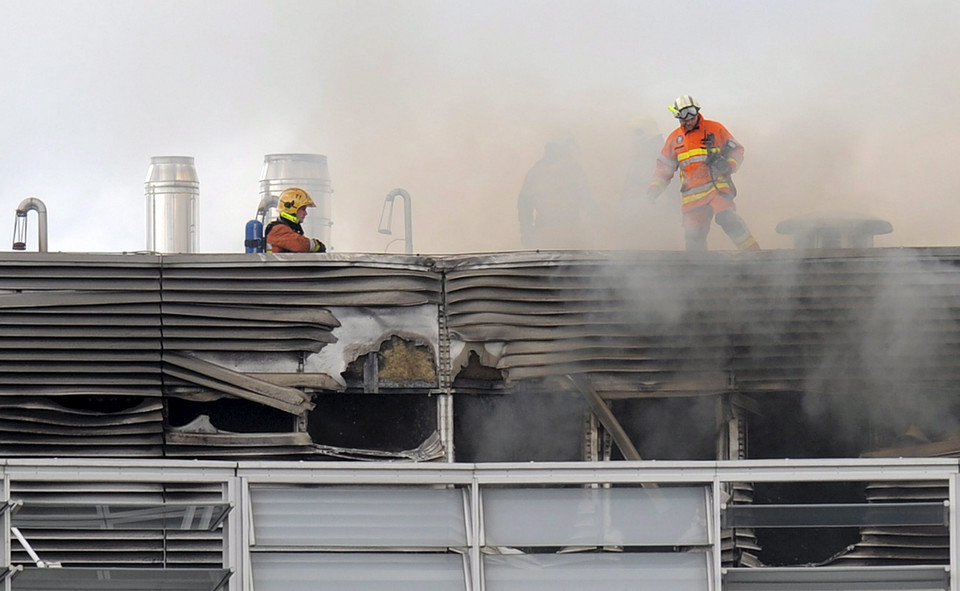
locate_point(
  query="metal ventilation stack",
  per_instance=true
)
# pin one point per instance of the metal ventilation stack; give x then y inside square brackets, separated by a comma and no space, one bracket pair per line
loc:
[173,196]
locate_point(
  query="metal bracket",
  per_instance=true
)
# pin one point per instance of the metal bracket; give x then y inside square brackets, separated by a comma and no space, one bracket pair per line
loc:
[26,546]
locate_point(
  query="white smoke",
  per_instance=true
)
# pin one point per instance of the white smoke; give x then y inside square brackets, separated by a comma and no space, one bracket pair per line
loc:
[837,104]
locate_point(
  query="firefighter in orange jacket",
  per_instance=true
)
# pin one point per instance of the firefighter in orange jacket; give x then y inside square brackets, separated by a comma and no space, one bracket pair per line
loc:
[707,155]
[286,234]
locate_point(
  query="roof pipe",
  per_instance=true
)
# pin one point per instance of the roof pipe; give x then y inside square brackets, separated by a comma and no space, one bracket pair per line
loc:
[20,227]
[267,202]
[387,212]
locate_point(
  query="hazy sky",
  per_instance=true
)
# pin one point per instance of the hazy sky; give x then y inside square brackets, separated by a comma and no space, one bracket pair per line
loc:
[842,105]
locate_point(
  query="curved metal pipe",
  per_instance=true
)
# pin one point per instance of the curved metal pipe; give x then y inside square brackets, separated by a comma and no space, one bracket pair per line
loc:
[267,202]
[20,227]
[407,217]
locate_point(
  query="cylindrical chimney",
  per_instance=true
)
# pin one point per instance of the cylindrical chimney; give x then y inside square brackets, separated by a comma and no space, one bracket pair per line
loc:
[173,201]
[310,173]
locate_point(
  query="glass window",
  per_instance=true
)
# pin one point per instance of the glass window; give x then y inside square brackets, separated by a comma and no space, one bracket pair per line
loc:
[183,516]
[358,572]
[668,516]
[597,572]
[356,516]
[836,515]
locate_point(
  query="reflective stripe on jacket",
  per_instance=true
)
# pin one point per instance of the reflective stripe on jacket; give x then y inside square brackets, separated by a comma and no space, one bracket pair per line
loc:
[687,152]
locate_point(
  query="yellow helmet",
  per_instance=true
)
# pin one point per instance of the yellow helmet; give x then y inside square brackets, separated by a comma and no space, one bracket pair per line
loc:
[293,199]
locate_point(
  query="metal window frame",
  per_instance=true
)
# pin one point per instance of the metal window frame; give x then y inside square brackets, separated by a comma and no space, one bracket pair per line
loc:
[873,578]
[5,556]
[235,478]
[118,579]
[714,474]
[108,471]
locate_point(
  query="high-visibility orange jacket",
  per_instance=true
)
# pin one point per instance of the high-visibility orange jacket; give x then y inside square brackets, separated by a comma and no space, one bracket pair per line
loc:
[688,151]
[287,236]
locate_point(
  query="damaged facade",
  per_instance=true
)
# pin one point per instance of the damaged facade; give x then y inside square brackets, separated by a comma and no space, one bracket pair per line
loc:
[766,403]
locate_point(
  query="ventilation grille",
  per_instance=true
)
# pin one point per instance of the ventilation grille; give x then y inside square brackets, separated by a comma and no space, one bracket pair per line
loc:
[117,547]
[886,546]
[80,354]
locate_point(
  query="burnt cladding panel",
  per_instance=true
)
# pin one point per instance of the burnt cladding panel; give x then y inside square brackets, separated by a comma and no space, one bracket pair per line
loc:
[516,426]
[669,428]
[230,414]
[805,545]
[389,422]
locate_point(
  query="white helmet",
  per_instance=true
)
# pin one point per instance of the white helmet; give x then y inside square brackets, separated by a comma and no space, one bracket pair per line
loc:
[685,107]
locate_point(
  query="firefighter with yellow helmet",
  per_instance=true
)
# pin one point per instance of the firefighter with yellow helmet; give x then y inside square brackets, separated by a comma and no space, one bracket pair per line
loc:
[286,233]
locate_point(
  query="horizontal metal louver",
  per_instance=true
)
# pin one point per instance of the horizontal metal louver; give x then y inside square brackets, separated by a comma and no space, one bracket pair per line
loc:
[74,544]
[892,545]
[645,322]
[80,350]
[94,332]
[91,344]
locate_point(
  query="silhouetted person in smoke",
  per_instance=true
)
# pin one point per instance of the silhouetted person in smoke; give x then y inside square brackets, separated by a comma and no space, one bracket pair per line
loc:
[637,224]
[555,199]
[647,143]
[707,155]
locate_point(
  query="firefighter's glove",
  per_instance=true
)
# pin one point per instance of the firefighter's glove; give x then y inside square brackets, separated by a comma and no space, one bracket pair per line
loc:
[317,246]
[720,165]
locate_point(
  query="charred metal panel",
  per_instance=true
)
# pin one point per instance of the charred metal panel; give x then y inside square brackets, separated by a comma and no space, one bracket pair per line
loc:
[363,303]
[398,364]
[198,328]
[80,350]
[368,331]
[389,423]
[873,334]
[777,321]
[210,375]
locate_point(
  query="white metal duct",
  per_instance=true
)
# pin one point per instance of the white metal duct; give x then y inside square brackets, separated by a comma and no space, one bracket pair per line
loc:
[173,204]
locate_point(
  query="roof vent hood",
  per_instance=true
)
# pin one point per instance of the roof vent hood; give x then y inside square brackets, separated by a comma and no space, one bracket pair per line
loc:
[838,230]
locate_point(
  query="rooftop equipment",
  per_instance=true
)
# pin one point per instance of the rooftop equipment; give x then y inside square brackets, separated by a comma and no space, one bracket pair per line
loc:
[173,197]
[386,217]
[834,230]
[20,226]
